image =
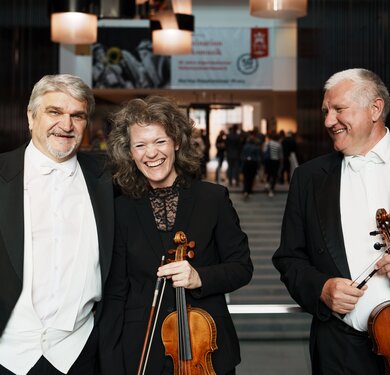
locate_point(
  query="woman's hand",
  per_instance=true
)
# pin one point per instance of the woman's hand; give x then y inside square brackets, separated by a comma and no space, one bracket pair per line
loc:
[181,273]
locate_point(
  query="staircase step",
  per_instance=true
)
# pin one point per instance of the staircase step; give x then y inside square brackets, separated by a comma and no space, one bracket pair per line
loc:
[261,219]
[275,326]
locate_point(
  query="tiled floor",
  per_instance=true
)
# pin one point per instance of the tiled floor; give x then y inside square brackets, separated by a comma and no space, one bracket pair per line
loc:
[274,358]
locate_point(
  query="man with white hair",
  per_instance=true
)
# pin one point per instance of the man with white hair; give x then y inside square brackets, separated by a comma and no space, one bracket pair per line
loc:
[56,235]
[326,250]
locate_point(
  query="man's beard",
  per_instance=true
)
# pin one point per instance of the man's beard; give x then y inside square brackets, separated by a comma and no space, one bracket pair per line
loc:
[63,154]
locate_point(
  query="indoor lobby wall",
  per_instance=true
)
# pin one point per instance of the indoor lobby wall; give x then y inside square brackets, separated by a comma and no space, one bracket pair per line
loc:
[275,101]
[28,54]
[336,35]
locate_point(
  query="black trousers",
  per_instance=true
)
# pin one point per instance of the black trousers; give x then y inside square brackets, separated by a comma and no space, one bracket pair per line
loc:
[249,170]
[85,364]
[342,350]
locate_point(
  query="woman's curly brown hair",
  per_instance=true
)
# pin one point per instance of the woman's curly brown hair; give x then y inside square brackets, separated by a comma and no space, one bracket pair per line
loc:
[150,111]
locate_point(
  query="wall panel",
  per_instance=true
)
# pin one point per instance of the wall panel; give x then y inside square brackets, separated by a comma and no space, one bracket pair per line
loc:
[26,55]
[336,35]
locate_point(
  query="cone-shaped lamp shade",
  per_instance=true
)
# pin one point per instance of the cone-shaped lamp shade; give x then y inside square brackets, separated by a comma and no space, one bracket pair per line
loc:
[74,21]
[172,33]
[172,42]
[283,9]
[73,28]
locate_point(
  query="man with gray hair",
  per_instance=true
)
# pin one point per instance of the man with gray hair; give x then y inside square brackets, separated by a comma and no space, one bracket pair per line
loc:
[326,251]
[56,235]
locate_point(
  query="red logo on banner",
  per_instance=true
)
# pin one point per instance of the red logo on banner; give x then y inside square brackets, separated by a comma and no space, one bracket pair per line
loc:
[259,42]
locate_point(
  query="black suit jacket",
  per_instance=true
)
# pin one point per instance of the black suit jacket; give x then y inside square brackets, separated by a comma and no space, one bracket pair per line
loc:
[206,215]
[312,245]
[12,222]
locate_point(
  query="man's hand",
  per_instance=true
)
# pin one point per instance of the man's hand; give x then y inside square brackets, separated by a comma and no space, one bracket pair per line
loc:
[182,274]
[383,265]
[341,295]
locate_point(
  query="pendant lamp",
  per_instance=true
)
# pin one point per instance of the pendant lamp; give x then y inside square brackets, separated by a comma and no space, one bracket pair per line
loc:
[74,21]
[282,9]
[172,29]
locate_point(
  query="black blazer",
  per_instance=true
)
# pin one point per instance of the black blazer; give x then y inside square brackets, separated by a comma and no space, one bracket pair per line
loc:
[12,222]
[206,215]
[312,245]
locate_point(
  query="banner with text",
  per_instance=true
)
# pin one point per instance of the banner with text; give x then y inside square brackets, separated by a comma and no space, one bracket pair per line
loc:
[224,58]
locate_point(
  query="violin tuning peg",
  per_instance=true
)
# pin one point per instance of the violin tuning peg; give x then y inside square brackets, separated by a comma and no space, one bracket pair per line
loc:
[191,244]
[190,254]
[171,251]
[374,233]
[378,246]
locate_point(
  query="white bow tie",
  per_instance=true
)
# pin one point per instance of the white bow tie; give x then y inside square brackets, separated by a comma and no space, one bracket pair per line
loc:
[48,168]
[358,162]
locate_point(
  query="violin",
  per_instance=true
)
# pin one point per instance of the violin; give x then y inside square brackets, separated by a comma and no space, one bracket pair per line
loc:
[378,329]
[379,319]
[189,333]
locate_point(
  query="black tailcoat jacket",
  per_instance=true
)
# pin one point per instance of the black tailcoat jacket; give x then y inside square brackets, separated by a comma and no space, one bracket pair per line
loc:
[12,222]
[312,245]
[206,215]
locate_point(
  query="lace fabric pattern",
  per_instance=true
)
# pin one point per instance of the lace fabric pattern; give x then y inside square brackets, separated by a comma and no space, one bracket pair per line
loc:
[164,203]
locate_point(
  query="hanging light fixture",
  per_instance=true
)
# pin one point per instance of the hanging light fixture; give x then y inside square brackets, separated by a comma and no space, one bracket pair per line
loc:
[142,8]
[283,9]
[172,29]
[74,21]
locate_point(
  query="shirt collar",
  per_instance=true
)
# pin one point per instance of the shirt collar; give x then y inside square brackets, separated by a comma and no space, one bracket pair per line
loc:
[39,160]
[381,150]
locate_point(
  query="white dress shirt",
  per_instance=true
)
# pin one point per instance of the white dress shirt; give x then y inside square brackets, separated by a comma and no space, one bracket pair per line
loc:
[365,188]
[61,276]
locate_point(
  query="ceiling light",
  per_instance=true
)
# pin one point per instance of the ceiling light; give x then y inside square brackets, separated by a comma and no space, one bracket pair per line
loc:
[283,9]
[74,21]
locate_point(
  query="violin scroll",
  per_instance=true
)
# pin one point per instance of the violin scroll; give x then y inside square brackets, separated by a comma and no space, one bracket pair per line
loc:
[383,224]
[181,252]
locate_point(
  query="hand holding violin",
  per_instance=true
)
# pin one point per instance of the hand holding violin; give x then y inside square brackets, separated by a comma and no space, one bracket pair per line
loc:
[181,273]
[383,265]
[341,295]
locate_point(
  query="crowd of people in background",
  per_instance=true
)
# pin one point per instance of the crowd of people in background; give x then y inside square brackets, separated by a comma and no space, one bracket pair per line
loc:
[270,158]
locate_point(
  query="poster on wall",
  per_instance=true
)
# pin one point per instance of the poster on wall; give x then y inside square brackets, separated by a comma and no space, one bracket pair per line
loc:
[222,58]
[123,58]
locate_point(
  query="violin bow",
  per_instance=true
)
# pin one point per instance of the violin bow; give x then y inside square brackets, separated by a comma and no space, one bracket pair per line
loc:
[382,223]
[150,331]
[382,219]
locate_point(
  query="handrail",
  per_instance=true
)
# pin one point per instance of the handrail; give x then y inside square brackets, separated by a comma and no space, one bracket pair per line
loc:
[264,309]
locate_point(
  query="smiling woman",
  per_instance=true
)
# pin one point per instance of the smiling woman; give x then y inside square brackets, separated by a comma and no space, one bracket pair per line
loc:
[156,164]
[152,136]
[154,154]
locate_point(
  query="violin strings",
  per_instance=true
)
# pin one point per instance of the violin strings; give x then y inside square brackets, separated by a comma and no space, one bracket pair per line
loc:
[179,309]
